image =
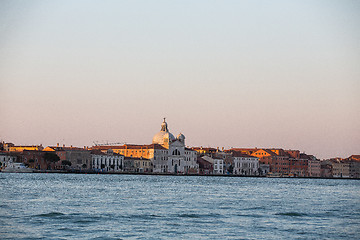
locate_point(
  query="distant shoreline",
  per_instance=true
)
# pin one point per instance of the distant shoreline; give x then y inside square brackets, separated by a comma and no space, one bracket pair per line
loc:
[173,174]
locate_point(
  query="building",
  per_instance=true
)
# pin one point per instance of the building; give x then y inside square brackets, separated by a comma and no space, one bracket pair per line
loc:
[106,162]
[217,164]
[204,150]
[71,157]
[205,167]
[7,158]
[335,167]
[80,158]
[167,153]
[36,159]
[22,148]
[314,167]
[264,169]
[6,146]
[129,164]
[340,168]
[143,165]
[299,166]
[325,169]
[354,166]
[276,163]
[245,164]
[178,159]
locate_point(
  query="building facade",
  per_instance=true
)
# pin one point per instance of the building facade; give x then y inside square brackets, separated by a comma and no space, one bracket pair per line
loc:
[107,162]
[245,164]
[167,153]
[217,164]
[314,167]
[7,158]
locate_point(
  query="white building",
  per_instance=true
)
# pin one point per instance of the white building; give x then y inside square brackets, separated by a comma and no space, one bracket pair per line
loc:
[174,157]
[314,167]
[218,164]
[6,159]
[167,153]
[108,161]
[245,164]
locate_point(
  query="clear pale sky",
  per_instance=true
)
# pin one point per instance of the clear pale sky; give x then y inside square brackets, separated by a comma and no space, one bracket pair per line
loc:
[225,73]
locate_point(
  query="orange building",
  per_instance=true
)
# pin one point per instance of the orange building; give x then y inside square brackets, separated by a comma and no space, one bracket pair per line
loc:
[29,148]
[133,150]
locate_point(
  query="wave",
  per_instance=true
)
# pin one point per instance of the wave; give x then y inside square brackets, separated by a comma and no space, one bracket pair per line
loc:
[194,215]
[143,216]
[250,215]
[292,214]
[50,214]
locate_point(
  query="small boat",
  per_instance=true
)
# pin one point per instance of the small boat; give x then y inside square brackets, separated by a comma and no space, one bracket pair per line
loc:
[17,168]
[273,175]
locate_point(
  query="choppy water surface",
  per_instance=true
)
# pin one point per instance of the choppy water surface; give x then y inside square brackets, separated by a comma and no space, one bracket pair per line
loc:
[67,206]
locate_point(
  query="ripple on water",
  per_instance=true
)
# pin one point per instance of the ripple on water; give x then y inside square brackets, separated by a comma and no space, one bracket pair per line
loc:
[50,215]
[292,214]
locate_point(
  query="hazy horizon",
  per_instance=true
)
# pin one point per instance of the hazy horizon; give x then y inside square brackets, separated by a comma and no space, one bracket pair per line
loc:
[273,74]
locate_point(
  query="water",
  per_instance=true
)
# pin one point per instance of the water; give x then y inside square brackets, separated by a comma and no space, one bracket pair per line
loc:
[71,206]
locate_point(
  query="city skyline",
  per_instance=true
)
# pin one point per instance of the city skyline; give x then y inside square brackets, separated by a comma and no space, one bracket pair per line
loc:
[226,74]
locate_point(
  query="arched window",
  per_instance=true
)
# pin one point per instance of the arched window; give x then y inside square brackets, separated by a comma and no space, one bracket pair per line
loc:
[176,152]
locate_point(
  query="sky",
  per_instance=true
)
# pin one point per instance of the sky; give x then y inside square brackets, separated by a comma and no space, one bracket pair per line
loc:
[274,74]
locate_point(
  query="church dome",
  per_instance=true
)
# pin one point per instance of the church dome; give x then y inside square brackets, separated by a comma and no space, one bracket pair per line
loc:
[181,137]
[164,133]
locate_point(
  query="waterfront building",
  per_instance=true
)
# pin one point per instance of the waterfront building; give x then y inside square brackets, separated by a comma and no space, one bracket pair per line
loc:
[314,167]
[354,166]
[129,165]
[335,167]
[60,152]
[80,158]
[264,169]
[71,157]
[139,165]
[179,159]
[277,164]
[22,148]
[35,159]
[167,153]
[7,158]
[284,162]
[205,167]
[325,169]
[245,164]
[106,162]
[299,166]
[340,168]
[217,164]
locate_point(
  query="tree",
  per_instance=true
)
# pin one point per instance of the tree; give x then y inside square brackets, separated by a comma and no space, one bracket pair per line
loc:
[51,157]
